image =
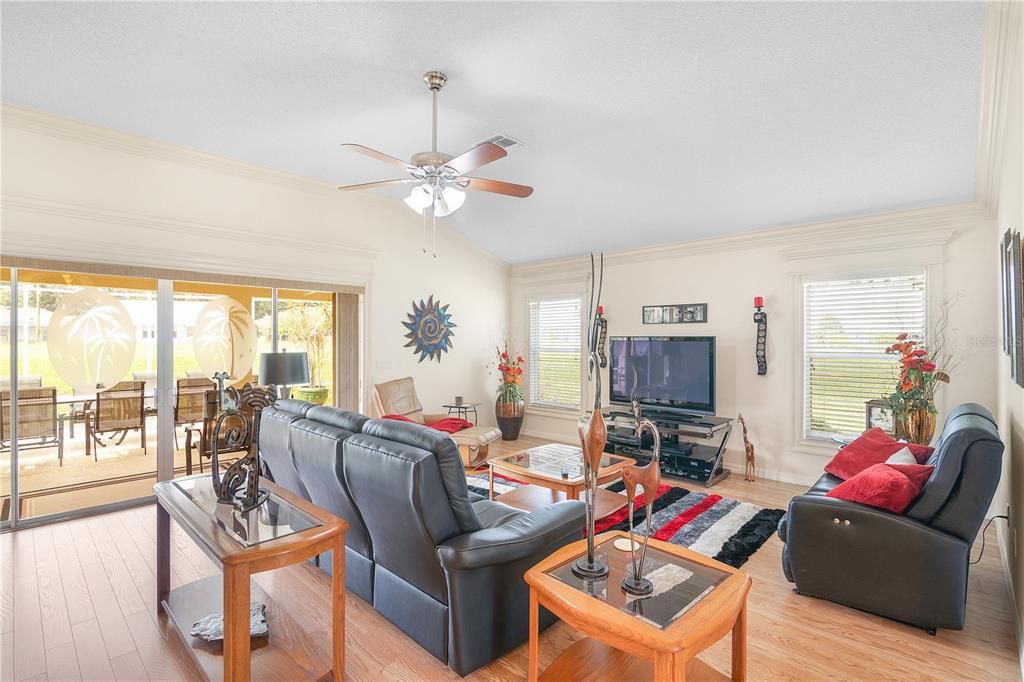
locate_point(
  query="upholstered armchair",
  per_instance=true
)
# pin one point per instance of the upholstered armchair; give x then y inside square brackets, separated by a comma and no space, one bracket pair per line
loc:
[399,397]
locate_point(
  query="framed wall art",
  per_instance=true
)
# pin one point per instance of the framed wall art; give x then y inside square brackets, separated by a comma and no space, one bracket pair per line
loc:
[1013,304]
[679,313]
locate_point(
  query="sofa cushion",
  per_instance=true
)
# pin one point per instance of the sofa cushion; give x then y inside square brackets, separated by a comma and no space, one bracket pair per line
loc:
[337,417]
[874,446]
[884,486]
[449,462]
[493,514]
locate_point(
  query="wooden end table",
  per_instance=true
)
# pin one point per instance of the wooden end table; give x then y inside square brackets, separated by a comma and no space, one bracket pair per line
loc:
[544,465]
[284,530]
[697,601]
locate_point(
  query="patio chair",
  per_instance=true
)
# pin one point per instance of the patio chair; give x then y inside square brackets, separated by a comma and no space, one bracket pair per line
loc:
[190,403]
[39,425]
[117,410]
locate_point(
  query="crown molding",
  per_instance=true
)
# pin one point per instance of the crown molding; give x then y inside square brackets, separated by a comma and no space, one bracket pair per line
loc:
[848,235]
[999,52]
[59,127]
[31,204]
[88,250]
[31,120]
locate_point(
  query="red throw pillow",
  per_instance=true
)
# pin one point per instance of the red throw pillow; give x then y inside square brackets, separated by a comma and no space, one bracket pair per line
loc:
[884,486]
[873,447]
[917,473]
[451,425]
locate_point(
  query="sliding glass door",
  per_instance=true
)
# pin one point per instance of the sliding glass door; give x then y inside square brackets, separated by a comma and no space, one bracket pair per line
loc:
[86,428]
[80,400]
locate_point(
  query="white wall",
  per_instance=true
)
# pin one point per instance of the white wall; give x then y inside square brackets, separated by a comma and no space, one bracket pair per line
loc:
[1010,396]
[80,193]
[952,244]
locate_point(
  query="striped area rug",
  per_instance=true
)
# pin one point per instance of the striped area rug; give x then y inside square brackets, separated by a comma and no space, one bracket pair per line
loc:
[727,530]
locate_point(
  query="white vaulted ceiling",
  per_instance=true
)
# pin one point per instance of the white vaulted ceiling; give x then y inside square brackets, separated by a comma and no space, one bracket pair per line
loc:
[644,123]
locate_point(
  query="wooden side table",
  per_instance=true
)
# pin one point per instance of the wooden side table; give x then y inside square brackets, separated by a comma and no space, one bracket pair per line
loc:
[697,601]
[284,530]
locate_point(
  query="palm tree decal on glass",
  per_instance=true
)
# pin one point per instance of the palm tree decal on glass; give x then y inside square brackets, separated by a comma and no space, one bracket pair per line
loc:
[224,339]
[91,340]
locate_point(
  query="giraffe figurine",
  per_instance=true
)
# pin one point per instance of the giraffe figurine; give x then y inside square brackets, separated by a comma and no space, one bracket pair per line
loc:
[748,472]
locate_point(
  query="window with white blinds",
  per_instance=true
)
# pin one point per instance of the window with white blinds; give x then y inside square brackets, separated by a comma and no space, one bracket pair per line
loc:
[555,340]
[847,326]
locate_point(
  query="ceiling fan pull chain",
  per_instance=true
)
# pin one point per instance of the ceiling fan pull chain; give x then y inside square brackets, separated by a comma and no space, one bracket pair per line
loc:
[424,214]
[433,217]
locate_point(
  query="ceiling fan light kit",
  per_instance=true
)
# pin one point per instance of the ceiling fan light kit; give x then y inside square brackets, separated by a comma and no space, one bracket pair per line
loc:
[438,178]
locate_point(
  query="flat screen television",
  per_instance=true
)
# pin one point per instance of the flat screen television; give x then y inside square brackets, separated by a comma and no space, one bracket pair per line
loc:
[668,373]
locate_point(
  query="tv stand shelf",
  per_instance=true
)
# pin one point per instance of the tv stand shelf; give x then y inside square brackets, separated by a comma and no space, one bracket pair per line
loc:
[692,447]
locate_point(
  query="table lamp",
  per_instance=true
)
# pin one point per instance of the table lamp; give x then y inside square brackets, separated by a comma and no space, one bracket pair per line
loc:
[283,370]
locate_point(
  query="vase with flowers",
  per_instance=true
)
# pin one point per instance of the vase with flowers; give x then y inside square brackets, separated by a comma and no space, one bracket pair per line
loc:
[510,407]
[912,402]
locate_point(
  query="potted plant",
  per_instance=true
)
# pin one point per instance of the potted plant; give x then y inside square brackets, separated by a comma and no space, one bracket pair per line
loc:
[509,408]
[912,402]
[311,325]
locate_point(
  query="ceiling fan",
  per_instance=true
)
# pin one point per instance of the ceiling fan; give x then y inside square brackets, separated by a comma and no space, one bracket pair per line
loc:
[439,178]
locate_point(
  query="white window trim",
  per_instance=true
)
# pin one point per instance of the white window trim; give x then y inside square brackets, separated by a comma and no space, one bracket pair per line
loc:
[933,279]
[546,409]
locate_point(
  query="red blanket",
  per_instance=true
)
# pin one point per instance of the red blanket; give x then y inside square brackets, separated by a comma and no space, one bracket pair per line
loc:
[448,424]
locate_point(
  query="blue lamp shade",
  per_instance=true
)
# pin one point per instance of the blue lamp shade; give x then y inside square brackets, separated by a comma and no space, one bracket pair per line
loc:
[284,369]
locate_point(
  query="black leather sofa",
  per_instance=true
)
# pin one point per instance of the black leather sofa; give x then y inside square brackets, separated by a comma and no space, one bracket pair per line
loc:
[443,565]
[911,567]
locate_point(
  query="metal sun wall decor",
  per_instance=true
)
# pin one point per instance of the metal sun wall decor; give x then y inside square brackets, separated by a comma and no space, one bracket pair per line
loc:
[430,329]
[240,484]
[593,433]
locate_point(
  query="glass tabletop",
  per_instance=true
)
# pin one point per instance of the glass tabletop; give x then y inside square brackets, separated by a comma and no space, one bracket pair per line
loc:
[275,518]
[678,584]
[556,461]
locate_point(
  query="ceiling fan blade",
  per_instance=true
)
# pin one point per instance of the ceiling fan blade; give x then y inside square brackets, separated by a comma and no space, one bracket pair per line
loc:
[500,187]
[372,185]
[480,155]
[374,154]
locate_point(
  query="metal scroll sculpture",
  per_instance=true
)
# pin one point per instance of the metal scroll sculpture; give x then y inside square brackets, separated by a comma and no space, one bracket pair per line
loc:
[649,478]
[593,433]
[239,485]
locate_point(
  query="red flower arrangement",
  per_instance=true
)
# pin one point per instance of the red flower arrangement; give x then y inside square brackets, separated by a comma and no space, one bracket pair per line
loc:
[919,377]
[511,368]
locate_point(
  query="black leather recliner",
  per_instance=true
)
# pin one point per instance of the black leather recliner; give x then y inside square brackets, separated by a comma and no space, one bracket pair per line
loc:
[449,569]
[911,567]
[443,565]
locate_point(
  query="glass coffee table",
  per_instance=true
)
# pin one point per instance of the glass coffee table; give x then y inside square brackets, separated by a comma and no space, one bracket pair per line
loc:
[285,529]
[554,472]
[696,601]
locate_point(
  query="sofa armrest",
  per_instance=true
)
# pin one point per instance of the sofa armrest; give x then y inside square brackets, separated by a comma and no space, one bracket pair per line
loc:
[532,534]
[876,561]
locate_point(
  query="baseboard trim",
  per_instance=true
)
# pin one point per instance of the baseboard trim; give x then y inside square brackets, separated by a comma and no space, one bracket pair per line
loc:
[1004,553]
